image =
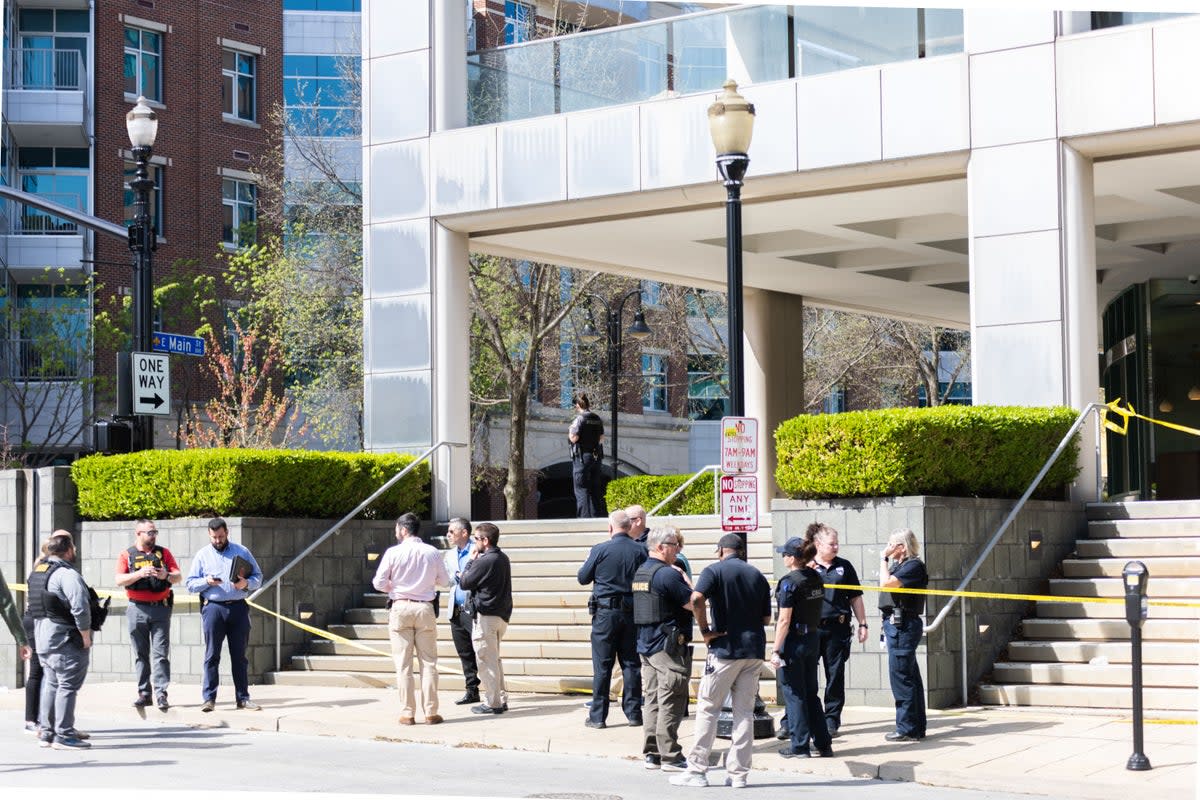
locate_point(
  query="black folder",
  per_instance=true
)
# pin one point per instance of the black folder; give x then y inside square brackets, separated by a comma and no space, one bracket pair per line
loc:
[240,568]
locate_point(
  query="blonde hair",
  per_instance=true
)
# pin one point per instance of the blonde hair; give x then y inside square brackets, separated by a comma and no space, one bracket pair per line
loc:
[906,537]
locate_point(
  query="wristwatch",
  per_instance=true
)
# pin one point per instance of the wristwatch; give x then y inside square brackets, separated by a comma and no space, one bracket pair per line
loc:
[705,630]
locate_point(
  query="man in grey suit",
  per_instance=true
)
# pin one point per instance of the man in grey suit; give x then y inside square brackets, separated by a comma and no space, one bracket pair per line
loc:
[461,622]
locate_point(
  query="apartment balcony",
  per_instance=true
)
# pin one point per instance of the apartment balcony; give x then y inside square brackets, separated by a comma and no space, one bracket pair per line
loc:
[36,241]
[47,104]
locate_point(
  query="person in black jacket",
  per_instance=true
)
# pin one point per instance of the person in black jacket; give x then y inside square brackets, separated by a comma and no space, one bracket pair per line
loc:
[488,577]
[586,435]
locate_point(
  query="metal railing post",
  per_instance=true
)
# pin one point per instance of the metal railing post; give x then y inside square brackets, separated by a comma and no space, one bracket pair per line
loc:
[278,629]
[680,489]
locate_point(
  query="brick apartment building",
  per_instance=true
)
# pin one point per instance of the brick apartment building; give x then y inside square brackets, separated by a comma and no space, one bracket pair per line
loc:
[213,72]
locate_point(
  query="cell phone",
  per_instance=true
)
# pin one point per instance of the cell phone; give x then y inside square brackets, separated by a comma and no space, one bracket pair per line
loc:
[215,578]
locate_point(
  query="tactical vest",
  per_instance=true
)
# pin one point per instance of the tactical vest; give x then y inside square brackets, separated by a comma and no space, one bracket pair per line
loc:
[649,608]
[137,560]
[590,431]
[42,603]
[808,597]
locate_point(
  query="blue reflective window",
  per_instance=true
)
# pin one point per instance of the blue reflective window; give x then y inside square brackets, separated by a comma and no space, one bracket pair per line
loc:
[318,95]
[322,5]
[519,21]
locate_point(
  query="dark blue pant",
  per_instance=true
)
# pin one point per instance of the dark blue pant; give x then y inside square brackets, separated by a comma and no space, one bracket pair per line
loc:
[585,474]
[835,652]
[799,682]
[907,687]
[614,638]
[221,622]
[460,630]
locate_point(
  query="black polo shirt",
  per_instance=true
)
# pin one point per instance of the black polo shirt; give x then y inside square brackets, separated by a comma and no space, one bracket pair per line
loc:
[837,601]
[739,598]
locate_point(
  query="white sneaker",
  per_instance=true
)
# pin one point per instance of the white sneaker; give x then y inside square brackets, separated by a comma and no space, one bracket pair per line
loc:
[695,779]
[736,781]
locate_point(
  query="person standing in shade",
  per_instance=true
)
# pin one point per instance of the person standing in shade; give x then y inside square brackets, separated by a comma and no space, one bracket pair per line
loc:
[610,566]
[903,627]
[639,529]
[841,609]
[458,534]
[488,577]
[797,649]
[224,614]
[409,573]
[586,435]
[59,603]
[147,571]
[662,611]
[737,641]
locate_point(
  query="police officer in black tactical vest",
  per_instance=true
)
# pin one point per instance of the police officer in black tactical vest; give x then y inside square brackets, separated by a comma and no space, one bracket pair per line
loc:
[586,435]
[611,566]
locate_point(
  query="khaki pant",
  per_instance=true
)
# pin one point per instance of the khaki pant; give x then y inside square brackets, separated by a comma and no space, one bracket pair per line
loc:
[413,625]
[736,679]
[665,689]
[485,637]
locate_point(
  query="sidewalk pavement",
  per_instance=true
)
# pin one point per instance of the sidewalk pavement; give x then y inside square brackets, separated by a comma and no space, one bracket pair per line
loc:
[1059,753]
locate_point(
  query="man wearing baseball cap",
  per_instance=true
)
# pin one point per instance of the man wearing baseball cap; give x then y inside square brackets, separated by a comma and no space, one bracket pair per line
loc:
[737,642]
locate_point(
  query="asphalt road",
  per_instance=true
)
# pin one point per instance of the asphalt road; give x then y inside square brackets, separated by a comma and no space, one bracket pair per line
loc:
[183,762]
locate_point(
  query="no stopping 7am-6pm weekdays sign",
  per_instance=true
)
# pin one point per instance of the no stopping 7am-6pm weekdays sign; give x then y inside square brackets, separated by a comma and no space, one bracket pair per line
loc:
[739,503]
[739,444]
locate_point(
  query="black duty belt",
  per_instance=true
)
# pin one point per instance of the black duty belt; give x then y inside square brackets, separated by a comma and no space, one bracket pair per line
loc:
[225,602]
[840,619]
[613,601]
[162,602]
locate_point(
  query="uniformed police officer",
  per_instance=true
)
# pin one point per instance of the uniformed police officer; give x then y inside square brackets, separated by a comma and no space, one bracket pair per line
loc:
[147,572]
[836,613]
[586,435]
[662,611]
[611,566]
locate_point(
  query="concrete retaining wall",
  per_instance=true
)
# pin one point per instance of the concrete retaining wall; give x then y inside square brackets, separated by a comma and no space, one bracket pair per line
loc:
[952,532]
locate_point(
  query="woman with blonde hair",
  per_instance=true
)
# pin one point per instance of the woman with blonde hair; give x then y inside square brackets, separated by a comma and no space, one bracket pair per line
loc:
[903,627]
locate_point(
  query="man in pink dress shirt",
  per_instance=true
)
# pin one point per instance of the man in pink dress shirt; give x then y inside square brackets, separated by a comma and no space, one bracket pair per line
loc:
[410,573]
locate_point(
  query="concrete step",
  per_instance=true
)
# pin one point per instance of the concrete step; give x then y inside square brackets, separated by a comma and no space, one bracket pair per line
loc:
[1159,588]
[1144,509]
[1066,609]
[1143,528]
[1159,566]
[510,648]
[1163,675]
[1178,630]
[1138,548]
[525,613]
[1118,652]
[1153,698]
[516,632]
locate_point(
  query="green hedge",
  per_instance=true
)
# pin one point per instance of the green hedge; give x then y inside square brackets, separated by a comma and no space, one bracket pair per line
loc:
[955,451]
[650,490]
[237,482]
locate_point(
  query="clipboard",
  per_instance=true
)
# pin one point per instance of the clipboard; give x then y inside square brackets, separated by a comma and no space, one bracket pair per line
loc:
[240,568]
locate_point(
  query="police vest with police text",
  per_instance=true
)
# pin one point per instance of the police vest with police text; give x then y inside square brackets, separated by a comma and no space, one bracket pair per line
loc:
[137,560]
[590,431]
[649,608]
[43,604]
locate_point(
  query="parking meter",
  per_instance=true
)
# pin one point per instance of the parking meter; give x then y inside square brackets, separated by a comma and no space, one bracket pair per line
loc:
[1135,577]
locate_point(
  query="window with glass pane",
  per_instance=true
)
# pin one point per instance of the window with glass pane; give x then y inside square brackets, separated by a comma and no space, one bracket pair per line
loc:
[143,51]
[566,374]
[651,293]
[654,382]
[318,96]
[322,5]
[239,204]
[58,174]
[51,329]
[519,21]
[52,52]
[707,398]
[156,196]
[237,84]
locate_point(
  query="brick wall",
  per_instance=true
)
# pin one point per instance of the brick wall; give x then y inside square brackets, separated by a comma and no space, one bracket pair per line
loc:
[192,135]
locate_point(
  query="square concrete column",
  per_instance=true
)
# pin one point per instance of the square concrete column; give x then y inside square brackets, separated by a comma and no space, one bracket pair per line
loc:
[774,336]
[1034,318]
[414,339]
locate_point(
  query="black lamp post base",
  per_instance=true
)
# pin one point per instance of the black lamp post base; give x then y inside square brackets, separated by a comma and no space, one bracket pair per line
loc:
[1138,763]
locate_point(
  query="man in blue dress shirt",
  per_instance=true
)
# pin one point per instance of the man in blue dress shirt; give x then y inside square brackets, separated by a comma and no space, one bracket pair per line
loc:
[458,534]
[224,614]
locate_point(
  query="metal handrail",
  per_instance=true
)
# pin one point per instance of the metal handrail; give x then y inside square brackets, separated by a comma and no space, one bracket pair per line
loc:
[987,550]
[679,490]
[338,525]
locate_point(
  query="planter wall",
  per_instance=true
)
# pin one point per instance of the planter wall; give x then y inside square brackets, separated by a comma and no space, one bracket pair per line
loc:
[952,532]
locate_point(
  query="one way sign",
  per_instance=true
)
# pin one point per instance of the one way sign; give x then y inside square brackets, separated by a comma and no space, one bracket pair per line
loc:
[151,375]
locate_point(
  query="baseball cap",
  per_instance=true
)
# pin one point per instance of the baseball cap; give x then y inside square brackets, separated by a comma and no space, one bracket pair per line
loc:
[730,541]
[791,547]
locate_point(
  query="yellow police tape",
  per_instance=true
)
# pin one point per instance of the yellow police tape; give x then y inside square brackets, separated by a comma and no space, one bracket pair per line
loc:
[1044,598]
[1126,413]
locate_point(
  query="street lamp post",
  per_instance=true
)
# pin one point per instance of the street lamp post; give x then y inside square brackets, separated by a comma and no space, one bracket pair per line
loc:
[638,330]
[142,126]
[731,124]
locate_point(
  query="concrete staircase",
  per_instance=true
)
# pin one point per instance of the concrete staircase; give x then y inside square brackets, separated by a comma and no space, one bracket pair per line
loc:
[547,647]
[1076,655]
